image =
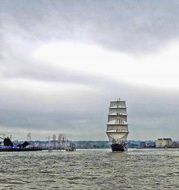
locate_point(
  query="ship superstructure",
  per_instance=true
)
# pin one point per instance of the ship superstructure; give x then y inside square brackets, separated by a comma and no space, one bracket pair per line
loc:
[117,126]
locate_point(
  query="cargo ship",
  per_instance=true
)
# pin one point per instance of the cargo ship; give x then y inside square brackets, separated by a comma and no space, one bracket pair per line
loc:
[117,126]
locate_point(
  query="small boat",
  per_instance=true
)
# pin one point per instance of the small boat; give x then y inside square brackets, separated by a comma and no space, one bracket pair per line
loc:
[70,147]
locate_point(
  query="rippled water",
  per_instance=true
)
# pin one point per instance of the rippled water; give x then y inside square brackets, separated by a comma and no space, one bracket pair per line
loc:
[90,169]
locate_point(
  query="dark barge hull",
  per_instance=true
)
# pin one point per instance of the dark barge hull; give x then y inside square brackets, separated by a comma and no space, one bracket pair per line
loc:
[19,149]
[118,147]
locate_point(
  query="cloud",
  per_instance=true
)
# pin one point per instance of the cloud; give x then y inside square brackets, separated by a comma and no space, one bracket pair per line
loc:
[156,70]
[61,62]
[131,26]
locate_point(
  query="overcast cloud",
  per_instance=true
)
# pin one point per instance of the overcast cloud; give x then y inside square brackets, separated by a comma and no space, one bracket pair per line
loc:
[61,62]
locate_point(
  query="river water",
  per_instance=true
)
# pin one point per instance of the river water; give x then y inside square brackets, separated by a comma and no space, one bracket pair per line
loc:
[90,169]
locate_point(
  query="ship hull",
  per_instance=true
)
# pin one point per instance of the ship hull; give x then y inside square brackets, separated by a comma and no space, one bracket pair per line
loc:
[118,147]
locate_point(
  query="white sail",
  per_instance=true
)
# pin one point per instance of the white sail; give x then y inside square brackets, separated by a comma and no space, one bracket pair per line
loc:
[117,121]
[117,137]
[117,126]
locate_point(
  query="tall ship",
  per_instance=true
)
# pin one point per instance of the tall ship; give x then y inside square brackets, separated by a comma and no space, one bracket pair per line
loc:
[117,126]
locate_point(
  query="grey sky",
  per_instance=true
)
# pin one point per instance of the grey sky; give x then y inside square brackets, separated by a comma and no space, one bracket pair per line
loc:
[45,92]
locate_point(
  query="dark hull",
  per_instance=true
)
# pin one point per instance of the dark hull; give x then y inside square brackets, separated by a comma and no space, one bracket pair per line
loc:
[19,149]
[118,147]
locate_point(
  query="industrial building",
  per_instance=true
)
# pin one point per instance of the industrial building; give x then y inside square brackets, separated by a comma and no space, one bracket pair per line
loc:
[164,143]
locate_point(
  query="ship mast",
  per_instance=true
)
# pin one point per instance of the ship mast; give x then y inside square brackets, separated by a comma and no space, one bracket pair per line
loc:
[117,127]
